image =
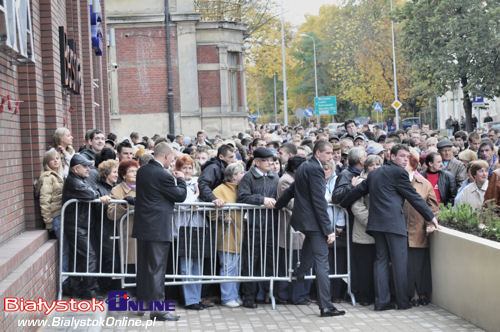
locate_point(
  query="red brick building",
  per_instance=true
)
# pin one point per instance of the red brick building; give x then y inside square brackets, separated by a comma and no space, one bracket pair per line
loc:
[207,56]
[34,102]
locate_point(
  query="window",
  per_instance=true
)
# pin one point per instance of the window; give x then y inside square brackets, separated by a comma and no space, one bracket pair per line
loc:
[233,61]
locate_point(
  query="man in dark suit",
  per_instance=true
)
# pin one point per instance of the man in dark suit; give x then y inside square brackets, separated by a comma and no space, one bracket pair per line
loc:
[310,217]
[157,191]
[389,186]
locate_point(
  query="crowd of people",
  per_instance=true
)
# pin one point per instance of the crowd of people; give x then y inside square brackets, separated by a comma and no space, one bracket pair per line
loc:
[390,186]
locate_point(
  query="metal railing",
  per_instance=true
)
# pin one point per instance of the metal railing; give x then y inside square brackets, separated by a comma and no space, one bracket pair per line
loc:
[202,235]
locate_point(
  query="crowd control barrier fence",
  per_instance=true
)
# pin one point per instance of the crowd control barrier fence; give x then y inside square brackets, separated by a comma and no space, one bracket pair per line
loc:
[234,243]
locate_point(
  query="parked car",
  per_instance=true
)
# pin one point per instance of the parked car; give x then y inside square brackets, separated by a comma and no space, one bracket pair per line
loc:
[408,122]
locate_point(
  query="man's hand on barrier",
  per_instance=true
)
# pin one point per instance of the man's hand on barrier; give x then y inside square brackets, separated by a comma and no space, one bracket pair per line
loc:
[331,238]
[269,202]
[434,222]
[130,200]
[219,202]
[105,199]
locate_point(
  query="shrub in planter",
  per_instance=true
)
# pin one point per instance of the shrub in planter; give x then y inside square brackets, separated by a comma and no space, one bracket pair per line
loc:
[463,217]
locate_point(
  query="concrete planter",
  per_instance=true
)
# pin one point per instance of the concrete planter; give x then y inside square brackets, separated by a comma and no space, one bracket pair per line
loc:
[466,276]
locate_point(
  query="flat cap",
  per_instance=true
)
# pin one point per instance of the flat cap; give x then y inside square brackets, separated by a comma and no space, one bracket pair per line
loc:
[78,159]
[262,153]
[444,143]
[374,148]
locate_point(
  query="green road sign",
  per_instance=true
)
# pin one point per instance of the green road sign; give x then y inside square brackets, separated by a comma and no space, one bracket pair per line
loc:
[325,105]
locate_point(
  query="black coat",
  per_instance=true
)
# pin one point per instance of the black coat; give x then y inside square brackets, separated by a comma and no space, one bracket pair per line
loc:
[76,187]
[388,186]
[252,189]
[310,206]
[156,193]
[212,175]
[447,186]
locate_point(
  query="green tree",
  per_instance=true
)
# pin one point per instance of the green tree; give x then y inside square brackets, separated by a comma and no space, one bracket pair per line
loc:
[454,42]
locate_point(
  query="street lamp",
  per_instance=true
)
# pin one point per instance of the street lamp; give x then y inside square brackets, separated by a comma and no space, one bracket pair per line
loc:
[394,70]
[315,69]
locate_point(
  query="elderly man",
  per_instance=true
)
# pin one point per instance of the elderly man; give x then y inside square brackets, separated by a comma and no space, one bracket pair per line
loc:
[450,163]
[258,187]
[76,226]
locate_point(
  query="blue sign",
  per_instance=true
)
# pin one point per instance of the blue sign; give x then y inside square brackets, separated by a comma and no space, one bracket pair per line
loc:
[309,112]
[325,105]
[96,29]
[377,107]
[478,100]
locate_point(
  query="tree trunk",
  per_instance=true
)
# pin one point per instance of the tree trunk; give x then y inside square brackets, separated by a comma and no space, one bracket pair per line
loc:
[467,105]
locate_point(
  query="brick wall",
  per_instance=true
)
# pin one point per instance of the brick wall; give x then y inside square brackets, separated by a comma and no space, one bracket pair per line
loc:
[207,54]
[209,87]
[142,71]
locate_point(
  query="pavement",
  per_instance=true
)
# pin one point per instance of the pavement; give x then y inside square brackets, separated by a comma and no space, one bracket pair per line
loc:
[264,318]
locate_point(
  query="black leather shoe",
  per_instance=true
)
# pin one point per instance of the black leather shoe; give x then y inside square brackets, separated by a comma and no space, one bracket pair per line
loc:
[163,316]
[414,302]
[364,303]
[424,300]
[249,304]
[195,306]
[383,307]
[330,312]
[279,301]
[304,302]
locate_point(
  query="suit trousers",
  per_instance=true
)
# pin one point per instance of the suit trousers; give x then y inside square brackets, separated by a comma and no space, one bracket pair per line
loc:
[315,250]
[152,258]
[393,248]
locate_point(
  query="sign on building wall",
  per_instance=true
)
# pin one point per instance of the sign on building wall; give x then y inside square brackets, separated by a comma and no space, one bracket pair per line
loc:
[71,76]
[16,32]
[95,27]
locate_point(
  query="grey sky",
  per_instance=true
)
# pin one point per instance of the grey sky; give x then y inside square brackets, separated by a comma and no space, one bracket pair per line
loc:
[296,9]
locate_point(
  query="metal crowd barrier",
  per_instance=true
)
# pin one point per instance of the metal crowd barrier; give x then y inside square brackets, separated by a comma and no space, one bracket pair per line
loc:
[202,238]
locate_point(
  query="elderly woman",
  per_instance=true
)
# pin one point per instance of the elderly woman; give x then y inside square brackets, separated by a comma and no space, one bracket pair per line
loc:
[363,245]
[474,193]
[63,143]
[229,234]
[419,266]
[104,228]
[127,170]
[294,292]
[189,231]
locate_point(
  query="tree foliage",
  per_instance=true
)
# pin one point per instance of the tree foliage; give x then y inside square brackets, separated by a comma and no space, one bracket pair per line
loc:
[454,43]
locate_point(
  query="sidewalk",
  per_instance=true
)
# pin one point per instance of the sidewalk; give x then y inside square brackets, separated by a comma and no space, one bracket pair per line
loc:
[284,318]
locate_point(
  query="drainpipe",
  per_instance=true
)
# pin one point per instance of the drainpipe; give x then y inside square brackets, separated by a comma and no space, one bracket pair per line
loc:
[170,94]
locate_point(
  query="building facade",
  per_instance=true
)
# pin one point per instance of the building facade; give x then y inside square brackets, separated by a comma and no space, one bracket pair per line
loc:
[207,70]
[53,73]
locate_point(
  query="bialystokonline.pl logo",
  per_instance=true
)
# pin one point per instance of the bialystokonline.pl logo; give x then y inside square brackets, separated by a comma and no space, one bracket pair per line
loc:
[116,301]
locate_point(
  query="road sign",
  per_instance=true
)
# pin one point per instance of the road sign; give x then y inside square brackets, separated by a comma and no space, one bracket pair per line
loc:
[477,101]
[299,113]
[308,112]
[253,115]
[325,105]
[396,104]
[377,107]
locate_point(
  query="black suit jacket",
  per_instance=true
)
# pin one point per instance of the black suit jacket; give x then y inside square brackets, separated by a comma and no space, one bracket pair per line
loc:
[157,192]
[388,186]
[310,206]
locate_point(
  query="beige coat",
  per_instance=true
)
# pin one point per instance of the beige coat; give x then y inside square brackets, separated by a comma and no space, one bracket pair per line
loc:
[458,169]
[284,227]
[474,195]
[120,192]
[360,210]
[51,185]
[228,240]
[415,223]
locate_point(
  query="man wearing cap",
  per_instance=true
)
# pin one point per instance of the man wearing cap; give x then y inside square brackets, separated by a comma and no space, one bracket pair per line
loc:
[450,163]
[76,226]
[258,187]
[360,140]
[375,148]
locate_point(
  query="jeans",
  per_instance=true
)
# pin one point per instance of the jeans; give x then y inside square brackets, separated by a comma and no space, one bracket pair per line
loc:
[192,293]
[56,224]
[229,266]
